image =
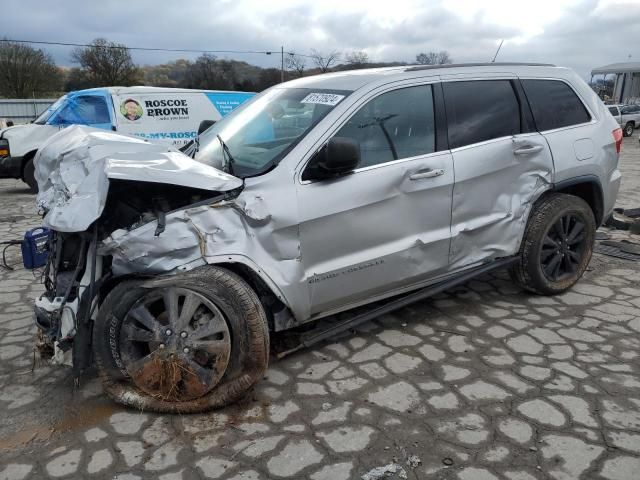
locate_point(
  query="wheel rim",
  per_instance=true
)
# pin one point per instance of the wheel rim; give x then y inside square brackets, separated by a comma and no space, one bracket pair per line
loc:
[629,130]
[563,247]
[175,344]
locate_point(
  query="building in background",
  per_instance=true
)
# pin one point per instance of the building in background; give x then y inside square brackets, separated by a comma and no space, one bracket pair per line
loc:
[23,110]
[618,82]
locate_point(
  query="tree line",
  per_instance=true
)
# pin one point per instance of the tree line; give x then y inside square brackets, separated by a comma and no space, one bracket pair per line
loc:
[27,72]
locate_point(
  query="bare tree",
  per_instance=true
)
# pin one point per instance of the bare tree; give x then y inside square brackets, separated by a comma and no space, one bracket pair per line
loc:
[106,63]
[27,72]
[434,58]
[357,58]
[203,73]
[209,72]
[324,61]
[296,63]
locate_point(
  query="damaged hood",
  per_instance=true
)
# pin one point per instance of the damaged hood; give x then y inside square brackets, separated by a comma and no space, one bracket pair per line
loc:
[74,166]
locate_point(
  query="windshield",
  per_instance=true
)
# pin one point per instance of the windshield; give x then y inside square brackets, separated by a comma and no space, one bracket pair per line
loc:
[44,116]
[256,137]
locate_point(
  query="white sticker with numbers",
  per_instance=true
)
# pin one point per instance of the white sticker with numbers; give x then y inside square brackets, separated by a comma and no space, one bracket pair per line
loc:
[331,99]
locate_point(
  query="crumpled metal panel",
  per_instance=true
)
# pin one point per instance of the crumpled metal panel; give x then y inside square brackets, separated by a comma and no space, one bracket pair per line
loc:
[492,197]
[74,166]
[243,230]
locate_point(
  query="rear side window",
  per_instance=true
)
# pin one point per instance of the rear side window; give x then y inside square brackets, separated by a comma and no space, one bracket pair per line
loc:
[397,124]
[480,110]
[630,109]
[614,111]
[554,104]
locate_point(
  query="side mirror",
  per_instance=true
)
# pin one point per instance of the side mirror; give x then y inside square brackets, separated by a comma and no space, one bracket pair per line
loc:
[204,125]
[341,155]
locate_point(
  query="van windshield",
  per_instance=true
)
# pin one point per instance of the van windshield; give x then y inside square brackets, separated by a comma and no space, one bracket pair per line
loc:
[254,138]
[44,116]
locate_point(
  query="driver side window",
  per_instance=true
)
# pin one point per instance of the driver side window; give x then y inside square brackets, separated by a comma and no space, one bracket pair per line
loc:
[395,125]
[84,110]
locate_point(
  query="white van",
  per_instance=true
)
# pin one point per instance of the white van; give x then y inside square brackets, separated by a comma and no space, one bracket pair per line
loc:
[166,115]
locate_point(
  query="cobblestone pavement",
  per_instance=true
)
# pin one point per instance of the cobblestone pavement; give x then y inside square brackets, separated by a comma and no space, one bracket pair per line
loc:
[485,382]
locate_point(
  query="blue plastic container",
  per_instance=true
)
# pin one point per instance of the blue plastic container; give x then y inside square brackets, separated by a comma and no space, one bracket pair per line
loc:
[35,248]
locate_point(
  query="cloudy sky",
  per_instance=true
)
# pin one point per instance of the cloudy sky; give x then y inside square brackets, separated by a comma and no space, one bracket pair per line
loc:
[581,34]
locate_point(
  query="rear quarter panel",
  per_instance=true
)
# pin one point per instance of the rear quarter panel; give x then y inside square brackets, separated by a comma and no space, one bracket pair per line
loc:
[587,149]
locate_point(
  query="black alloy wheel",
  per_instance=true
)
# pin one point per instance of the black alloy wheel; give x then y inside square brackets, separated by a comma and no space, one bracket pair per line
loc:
[563,247]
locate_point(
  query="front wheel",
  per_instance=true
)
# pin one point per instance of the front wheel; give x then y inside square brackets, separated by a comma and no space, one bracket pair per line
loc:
[29,175]
[187,343]
[557,245]
[628,129]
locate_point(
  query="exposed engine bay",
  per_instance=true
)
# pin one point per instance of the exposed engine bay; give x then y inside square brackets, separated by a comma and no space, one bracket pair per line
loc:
[78,268]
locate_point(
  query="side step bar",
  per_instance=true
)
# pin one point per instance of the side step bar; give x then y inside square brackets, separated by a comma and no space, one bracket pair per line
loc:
[314,336]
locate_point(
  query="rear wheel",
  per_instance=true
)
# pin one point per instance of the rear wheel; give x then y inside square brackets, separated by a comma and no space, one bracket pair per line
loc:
[29,175]
[628,129]
[557,245]
[187,343]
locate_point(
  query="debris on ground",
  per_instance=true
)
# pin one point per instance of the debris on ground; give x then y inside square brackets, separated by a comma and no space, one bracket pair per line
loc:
[326,406]
[413,461]
[387,471]
[620,249]
[625,219]
[447,461]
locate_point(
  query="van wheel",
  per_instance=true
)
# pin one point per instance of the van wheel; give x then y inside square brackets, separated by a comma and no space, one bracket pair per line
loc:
[628,129]
[29,175]
[187,343]
[557,245]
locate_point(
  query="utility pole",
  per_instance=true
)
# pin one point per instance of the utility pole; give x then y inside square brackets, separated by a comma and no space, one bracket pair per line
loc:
[281,64]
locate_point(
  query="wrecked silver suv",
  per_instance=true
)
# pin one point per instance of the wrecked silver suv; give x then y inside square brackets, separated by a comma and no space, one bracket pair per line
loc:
[351,193]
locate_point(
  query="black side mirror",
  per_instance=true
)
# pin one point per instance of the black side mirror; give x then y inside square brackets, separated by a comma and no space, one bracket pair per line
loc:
[204,125]
[341,155]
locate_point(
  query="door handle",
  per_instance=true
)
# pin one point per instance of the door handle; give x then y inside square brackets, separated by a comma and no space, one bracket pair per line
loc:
[528,149]
[430,173]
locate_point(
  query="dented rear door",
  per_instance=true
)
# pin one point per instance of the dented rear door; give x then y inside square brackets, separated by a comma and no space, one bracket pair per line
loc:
[501,166]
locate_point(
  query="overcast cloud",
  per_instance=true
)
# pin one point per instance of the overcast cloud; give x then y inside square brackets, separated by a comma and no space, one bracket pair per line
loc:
[581,34]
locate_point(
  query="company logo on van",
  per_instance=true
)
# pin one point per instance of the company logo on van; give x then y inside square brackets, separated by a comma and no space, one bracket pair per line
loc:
[167,108]
[131,109]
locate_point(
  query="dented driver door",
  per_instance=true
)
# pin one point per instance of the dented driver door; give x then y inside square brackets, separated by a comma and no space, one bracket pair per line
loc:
[501,163]
[385,227]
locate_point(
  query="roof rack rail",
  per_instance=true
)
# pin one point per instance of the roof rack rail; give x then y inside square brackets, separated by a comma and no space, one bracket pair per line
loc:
[481,64]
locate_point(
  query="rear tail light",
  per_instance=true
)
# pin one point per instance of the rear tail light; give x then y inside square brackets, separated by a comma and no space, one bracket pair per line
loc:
[4,147]
[617,136]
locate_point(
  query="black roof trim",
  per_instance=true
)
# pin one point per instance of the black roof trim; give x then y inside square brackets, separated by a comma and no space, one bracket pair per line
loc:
[458,65]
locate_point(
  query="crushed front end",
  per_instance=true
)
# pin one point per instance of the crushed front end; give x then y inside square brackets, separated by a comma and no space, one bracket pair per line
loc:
[93,184]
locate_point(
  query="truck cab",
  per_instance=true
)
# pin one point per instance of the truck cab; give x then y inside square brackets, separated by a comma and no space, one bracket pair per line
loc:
[627,116]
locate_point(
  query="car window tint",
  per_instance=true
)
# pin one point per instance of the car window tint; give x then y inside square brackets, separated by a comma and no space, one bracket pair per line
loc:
[397,124]
[613,110]
[85,110]
[630,109]
[480,110]
[554,104]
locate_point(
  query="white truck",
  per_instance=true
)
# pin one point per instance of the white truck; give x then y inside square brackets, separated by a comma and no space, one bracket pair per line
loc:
[627,116]
[165,115]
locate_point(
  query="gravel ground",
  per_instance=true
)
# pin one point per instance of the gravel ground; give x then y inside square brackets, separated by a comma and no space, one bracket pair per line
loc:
[484,382]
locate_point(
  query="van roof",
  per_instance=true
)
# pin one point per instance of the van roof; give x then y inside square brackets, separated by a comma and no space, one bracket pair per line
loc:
[141,90]
[354,79]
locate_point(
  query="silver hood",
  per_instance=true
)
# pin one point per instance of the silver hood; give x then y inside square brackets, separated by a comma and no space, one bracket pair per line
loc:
[74,166]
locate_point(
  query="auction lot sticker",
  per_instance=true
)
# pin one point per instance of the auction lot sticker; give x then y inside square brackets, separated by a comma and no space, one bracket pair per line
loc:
[323,98]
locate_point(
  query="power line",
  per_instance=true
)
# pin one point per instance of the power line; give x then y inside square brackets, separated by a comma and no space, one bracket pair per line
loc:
[153,49]
[149,49]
